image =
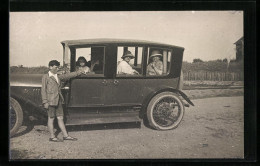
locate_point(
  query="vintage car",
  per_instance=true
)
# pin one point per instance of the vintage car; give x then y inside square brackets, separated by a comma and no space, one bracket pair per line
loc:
[105,96]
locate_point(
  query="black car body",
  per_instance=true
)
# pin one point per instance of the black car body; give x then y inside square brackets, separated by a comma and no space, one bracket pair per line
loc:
[106,96]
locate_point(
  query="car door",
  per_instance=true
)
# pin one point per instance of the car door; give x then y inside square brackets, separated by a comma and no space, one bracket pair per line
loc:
[126,89]
[87,90]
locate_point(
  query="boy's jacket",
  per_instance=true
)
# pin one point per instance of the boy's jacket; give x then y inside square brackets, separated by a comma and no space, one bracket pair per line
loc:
[51,89]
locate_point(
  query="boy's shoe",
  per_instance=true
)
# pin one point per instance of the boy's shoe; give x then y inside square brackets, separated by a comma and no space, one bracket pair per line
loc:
[55,139]
[70,138]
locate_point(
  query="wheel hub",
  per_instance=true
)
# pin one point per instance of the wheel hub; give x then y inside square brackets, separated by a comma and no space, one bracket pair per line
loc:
[164,109]
[166,112]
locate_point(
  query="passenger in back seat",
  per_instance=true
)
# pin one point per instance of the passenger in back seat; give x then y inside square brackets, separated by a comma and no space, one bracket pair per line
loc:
[124,67]
[156,66]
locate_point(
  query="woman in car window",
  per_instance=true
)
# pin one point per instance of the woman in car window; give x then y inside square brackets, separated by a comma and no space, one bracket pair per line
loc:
[124,67]
[156,66]
[81,64]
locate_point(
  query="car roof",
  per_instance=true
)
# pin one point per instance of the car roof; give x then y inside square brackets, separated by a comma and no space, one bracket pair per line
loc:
[81,42]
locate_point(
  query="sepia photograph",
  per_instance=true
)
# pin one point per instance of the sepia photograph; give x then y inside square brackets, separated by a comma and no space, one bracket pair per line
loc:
[126,85]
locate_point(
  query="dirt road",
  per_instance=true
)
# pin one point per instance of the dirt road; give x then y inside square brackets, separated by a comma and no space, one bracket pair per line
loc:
[211,129]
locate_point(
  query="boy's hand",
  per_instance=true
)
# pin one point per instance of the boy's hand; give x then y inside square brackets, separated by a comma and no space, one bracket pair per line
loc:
[46,105]
[80,71]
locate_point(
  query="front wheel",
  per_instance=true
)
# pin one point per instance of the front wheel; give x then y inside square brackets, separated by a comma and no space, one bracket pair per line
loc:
[15,116]
[165,111]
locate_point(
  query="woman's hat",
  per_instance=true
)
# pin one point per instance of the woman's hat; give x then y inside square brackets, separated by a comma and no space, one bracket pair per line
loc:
[128,54]
[155,53]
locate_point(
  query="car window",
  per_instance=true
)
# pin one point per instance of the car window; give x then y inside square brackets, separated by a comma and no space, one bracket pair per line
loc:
[129,61]
[93,58]
[158,62]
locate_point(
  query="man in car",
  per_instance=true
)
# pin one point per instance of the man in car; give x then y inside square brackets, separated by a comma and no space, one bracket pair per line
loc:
[52,98]
[124,67]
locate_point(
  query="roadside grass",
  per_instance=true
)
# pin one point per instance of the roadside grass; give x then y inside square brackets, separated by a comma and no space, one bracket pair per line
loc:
[212,84]
[208,93]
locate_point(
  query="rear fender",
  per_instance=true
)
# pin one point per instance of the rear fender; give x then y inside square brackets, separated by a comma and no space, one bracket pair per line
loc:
[152,94]
[185,97]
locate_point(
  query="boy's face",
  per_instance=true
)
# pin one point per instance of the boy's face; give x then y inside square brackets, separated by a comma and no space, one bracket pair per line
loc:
[54,69]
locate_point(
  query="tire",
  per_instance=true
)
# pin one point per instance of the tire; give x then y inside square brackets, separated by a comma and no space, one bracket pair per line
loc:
[165,111]
[15,116]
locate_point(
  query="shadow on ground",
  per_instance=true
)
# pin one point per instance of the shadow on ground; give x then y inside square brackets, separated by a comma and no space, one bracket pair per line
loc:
[18,154]
[28,126]
[107,126]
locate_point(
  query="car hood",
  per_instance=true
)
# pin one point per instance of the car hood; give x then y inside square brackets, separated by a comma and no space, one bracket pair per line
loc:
[28,80]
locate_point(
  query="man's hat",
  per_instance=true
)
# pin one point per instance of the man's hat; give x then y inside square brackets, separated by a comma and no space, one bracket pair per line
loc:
[155,53]
[128,54]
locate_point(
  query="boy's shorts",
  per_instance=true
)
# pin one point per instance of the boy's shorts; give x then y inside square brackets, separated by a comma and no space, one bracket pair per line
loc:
[55,110]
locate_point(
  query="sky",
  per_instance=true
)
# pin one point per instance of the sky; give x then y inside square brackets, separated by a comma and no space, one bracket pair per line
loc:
[208,35]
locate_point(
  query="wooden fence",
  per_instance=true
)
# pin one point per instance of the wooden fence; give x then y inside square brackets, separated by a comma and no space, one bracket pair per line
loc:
[213,76]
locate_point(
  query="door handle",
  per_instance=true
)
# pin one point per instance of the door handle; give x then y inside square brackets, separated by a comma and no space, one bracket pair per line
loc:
[116,82]
[104,82]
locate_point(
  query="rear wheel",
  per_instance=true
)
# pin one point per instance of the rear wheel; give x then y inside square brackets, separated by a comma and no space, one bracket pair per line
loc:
[15,116]
[165,111]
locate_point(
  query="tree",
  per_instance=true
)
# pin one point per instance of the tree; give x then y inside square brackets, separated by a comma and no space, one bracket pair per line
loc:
[197,60]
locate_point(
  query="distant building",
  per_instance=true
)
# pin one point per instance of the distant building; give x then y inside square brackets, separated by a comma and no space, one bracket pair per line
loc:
[240,49]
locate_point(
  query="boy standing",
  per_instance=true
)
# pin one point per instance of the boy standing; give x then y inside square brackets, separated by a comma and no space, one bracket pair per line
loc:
[52,98]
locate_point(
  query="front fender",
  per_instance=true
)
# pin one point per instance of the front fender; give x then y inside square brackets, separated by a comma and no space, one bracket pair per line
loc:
[29,97]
